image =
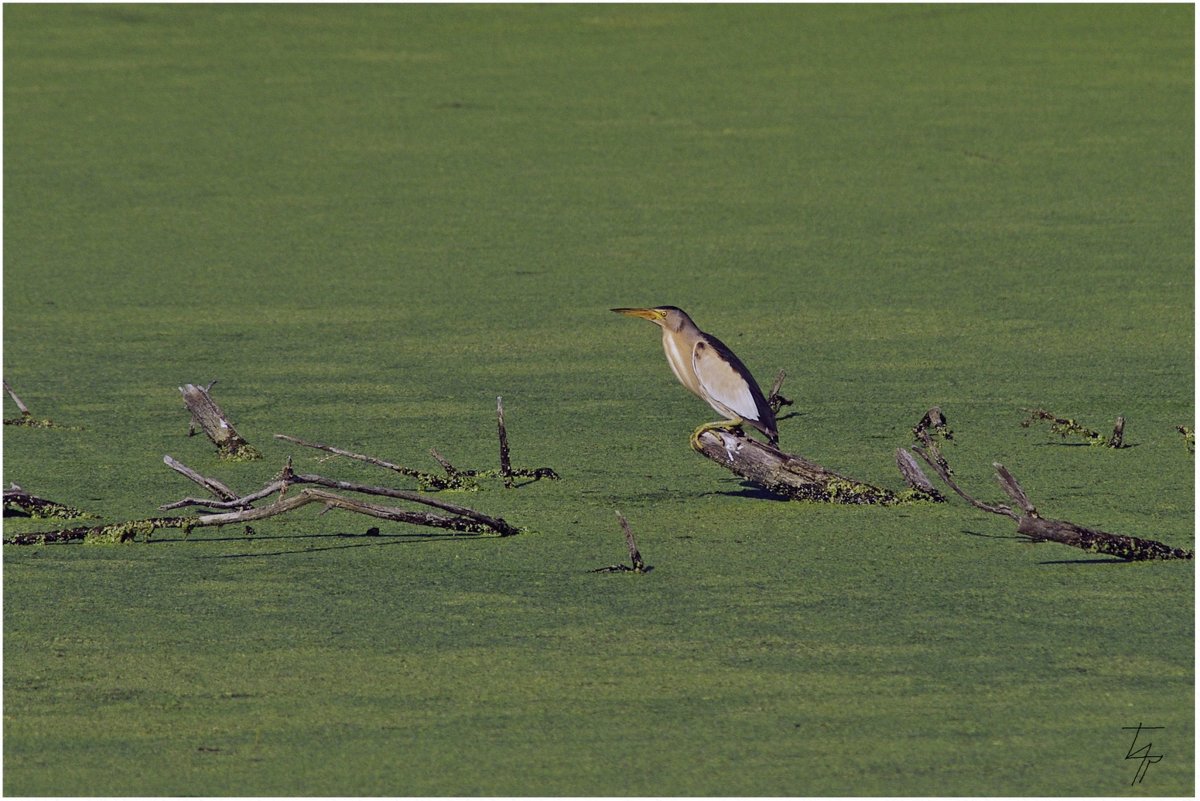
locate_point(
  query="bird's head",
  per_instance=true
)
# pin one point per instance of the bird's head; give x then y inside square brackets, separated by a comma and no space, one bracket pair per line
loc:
[671,317]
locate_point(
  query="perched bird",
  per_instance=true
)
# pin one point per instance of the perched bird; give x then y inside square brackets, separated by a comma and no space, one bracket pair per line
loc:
[707,367]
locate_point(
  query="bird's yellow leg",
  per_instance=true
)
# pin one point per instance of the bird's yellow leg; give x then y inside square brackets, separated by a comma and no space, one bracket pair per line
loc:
[719,425]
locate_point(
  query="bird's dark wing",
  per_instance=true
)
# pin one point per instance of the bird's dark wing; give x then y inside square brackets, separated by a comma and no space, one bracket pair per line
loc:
[730,388]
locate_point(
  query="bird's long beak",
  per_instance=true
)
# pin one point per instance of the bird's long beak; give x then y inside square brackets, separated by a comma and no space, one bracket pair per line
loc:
[653,315]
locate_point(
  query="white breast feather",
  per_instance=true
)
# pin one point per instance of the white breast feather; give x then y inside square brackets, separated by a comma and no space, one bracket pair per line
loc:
[678,365]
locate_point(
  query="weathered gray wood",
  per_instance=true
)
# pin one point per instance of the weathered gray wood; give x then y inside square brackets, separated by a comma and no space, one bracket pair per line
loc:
[215,487]
[635,556]
[1117,440]
[774,399]
[788,474]
[793,476]
[215,424]
[24,409]
[26,419]
[1131,549]
[455,478]
[494,523]
[462,519]
[914,477]
[1039,529]
[1014,490]
[502,435]
[933,457]
[333,500]
[288,477]
[123,532]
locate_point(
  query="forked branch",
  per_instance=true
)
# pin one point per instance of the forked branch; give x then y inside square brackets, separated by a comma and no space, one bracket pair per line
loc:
[124,532]
[1032,525]
[455,478]
[232,509]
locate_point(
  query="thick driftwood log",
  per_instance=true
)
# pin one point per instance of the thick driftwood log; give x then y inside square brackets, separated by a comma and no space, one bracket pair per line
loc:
[1131,549]
[794,476]
[798,478]
[1039,529]
[215,424]
[19,503]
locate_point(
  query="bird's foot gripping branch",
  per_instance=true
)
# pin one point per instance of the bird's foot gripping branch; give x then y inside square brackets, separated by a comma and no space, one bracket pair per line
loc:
[793,476]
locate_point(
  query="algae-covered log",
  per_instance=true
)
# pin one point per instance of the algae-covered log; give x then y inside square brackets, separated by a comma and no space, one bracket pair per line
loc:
[1131,549]
[111,532]
[19,503]
[1065,426]
[794,476]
